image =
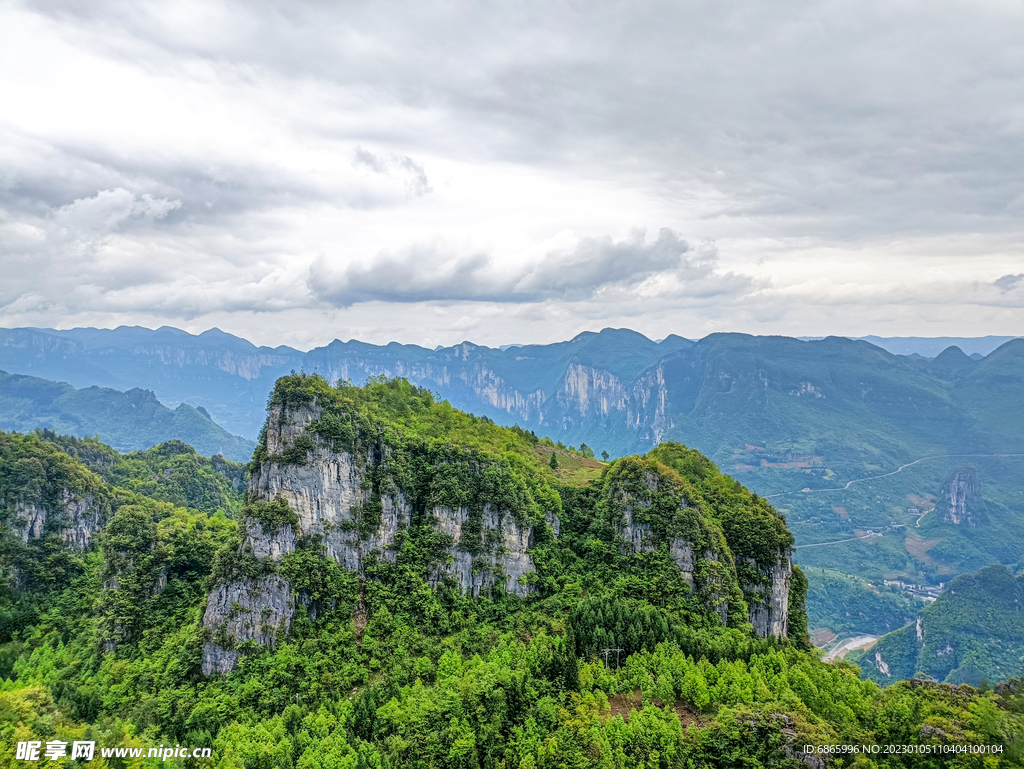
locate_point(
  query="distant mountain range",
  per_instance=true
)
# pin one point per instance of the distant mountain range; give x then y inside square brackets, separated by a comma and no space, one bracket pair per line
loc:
[231,377]
[929,347]
[820,427]
[128,421]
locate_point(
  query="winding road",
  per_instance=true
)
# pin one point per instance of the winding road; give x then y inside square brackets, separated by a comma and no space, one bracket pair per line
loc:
[836,542]
[870,534]
[886,475]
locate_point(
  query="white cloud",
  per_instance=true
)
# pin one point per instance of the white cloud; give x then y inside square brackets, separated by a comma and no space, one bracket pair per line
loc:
[439,272]
[107,210]
[406,170]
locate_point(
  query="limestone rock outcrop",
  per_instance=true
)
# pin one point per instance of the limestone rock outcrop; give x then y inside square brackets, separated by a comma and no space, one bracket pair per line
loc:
[248,610]
[328,493]
[768,601]
[961,497]
[76,518]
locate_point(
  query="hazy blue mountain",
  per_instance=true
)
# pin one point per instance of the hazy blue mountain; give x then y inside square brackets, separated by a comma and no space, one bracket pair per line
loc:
[228,376]
[929,347]
[779,414]
[128,421]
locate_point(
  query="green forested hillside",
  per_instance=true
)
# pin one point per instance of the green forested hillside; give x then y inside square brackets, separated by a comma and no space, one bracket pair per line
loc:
[974,631]
[390,666]
[835,416]
[846,605]
[169,472]
[128,421]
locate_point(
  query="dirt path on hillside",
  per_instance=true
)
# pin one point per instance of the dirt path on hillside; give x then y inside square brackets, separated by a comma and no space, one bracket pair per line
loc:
[849,645]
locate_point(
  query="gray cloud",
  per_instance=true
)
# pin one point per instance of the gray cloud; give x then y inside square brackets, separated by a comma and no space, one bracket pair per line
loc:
[195,160]
[430,272]
[1008,282]
[842,119]
[413,175]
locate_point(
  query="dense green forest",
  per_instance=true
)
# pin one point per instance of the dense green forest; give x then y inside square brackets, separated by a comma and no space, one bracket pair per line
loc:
[973,632]
[107,571]
[846,604]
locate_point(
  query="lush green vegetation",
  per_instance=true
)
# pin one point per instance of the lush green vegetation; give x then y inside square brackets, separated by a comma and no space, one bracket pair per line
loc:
[778,414]
[170,472]
[128,421]
[381,669]
[973,632]
[845,604]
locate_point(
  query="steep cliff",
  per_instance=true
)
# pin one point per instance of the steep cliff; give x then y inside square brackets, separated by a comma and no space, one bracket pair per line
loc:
[43,492]
[655,511]
[359,476]
[73,516]
[960,500]
[328,473]
[756,536]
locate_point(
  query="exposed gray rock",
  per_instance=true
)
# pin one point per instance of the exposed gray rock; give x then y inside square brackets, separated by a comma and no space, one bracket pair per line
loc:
[681,552]
[248,610]
[810,760]
[268,544]
[161,581]
[475,565]
[714,590]
[328,494]
[960,496]
[883,666]
[770,615]
[78,519]
[636,535]
[286,427]
[554,522]
[591,391]
[29,520]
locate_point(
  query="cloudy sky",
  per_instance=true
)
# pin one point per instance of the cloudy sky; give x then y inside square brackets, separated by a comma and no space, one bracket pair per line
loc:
[434,171]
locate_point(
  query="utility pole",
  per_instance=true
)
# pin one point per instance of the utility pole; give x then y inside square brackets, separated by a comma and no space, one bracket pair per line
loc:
[606,652]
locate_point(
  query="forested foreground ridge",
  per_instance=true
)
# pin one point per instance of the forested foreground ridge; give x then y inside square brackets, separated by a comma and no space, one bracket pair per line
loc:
[406,585]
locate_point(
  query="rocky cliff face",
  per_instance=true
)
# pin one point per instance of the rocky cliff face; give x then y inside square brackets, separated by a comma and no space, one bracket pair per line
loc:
[507,560]
[328,493]
[768,600]
[767,597]
[961,497]
[76,519]
[248,610]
